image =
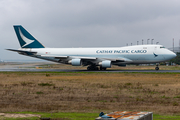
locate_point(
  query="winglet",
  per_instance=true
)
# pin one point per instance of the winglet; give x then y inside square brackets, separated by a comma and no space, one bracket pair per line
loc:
[26,40]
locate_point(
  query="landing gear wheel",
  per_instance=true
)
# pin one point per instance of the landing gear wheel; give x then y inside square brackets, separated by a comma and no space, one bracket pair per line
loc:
[96,68]
[88,68]
[157,68]
[104,68]
[92,67]
[101,68]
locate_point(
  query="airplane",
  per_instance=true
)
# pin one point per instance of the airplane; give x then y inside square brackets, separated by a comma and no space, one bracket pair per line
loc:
[95,58]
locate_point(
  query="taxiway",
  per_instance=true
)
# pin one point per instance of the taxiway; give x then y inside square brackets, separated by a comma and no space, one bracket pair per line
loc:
[68,70]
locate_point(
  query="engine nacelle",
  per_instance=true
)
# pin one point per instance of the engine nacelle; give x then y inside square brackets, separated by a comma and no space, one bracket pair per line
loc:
[75,62]
[105,64]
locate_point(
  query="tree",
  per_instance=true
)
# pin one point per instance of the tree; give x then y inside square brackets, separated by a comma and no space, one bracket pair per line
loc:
[176,59]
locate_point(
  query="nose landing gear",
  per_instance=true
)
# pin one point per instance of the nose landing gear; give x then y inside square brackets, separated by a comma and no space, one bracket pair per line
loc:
[157,68]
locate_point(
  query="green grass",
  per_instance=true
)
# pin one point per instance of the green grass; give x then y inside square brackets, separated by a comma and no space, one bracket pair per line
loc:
[82,116]
[65,116]
[164,117]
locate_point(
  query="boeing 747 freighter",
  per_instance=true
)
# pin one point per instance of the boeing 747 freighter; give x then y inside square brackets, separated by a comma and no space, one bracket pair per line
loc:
[94,58]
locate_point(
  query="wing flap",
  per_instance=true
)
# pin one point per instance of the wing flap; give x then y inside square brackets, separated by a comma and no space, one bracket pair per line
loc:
[65,57]
[87,58]
[118,59]
[54,56]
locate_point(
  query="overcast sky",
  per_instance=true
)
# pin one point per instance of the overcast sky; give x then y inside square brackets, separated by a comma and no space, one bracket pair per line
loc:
[89,23]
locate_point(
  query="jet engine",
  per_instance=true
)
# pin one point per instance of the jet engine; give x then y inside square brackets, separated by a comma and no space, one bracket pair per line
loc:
[105,64]
[75,62]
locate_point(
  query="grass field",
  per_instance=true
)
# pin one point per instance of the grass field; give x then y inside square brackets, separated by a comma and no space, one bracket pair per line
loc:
[87,94]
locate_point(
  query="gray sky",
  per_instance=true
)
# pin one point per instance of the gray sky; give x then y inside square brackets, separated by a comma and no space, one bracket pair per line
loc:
[89,23]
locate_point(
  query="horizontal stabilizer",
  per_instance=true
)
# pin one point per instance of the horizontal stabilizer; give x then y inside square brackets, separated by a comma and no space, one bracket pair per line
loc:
[23,52]
[20,50]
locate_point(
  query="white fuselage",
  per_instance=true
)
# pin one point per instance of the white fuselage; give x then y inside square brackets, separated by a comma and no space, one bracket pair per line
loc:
[138,54]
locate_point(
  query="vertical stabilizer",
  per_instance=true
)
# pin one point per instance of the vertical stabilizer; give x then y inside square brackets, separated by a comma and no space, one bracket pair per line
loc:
[26,40]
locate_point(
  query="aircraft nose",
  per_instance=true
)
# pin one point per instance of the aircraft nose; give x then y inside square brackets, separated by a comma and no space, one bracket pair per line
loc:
[169,55]
[172,55]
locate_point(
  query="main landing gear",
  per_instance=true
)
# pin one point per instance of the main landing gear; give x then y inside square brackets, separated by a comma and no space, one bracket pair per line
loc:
[157,68]
[101,68]
[94,67]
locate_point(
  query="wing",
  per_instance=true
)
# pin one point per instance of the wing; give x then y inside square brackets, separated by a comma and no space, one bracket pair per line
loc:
[119,59]
[88,59]
[66,59]
[69,57]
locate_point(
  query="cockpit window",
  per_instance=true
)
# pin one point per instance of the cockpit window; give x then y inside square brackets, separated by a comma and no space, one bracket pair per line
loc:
[162,47]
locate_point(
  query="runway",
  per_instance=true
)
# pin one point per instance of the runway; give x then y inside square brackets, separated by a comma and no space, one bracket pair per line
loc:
[76,70]
[39,67]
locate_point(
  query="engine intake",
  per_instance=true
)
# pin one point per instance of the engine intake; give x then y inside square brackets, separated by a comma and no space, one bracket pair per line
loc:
[105,64]
[75,62]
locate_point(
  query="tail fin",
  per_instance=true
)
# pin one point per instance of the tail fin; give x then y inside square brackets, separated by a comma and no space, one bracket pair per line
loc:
[26,40]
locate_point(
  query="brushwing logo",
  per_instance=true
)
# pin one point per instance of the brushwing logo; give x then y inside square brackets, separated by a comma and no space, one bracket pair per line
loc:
[25,39]
[155,55]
